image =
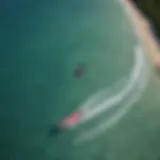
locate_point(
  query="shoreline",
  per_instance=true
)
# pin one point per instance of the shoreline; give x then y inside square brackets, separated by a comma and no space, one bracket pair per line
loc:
[144,31]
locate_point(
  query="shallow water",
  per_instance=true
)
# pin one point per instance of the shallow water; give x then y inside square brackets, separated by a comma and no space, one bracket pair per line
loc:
[43,42]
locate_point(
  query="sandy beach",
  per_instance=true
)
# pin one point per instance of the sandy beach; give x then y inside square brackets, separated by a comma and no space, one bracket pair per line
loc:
[144,32]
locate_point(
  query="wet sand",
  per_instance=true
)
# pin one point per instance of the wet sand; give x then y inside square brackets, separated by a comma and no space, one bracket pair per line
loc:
[144,32]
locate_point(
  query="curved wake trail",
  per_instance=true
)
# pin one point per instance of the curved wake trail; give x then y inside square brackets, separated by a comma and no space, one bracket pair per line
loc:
[126,98]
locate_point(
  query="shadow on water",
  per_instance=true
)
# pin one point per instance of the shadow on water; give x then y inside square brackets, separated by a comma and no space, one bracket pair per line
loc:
[55,131]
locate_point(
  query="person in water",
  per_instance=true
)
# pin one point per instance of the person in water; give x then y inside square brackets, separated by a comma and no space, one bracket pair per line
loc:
[79,71]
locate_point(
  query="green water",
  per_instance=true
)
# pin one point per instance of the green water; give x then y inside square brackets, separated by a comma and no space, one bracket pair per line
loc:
[42,43]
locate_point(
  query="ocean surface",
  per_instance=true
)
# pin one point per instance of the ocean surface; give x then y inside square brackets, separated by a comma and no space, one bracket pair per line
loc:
[42,43]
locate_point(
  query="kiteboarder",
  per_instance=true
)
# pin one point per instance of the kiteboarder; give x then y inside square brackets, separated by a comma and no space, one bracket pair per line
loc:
[64,124]
[70,120]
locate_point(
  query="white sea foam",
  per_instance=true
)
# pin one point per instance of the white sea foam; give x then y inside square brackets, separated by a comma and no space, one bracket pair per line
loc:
[93,107]
[128,95]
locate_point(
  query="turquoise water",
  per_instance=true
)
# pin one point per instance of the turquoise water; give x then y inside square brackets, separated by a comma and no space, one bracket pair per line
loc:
[42,43]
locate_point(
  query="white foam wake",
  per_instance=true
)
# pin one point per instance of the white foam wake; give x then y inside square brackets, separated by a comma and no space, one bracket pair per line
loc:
[91,108]
[128,95]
